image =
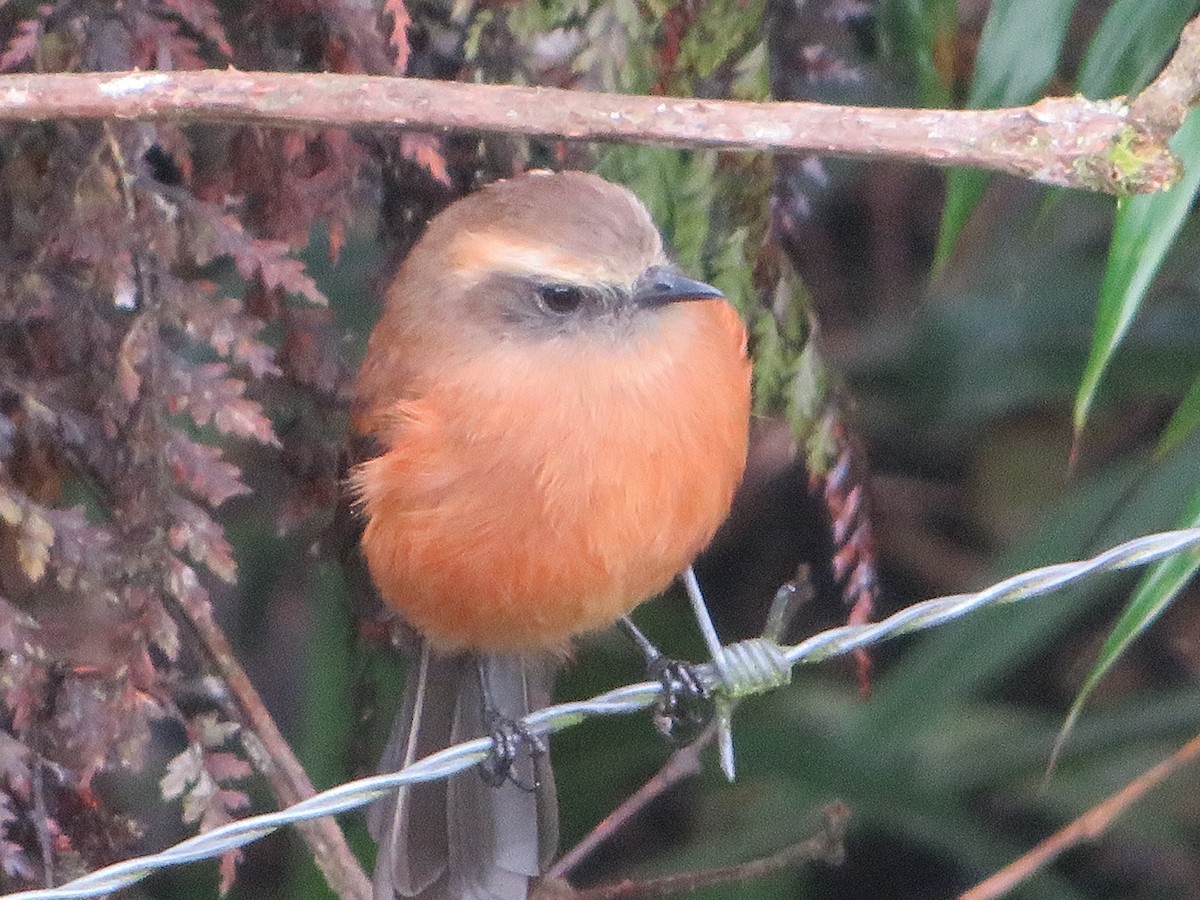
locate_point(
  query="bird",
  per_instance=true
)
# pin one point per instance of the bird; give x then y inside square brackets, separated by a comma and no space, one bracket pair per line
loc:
[557,420]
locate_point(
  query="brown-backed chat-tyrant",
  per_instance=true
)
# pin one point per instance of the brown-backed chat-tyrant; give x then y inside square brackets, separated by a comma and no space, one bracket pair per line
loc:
[560,418]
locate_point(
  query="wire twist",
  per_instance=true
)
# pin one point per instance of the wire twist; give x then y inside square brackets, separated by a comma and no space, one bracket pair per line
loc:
[755,666]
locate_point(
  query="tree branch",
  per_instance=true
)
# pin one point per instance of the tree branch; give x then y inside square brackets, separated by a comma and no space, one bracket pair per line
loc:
[683,763]
[279,765]
[1088,827]
[827,846]
[1072,142]
[1164,103]
[1104,145]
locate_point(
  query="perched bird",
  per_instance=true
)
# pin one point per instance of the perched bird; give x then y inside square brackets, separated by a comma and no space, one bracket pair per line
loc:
[560,419]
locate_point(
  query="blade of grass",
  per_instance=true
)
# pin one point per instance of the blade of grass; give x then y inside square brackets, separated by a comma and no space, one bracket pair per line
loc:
[1144,230]
[1183,422]
[920,35]
[1130,46]
[1018,54]
[1157,590]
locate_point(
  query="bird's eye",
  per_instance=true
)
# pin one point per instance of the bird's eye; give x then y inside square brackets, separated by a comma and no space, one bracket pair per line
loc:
[561,298]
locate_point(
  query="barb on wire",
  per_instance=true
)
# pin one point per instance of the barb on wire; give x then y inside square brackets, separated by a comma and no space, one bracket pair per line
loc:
[762,660]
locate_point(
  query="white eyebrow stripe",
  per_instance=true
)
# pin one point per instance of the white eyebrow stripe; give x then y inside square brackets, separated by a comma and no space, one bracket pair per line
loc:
[477,254]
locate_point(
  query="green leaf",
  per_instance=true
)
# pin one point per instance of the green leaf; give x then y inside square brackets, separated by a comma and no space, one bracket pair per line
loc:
[1018,51]
[1099,511]
[1145,228]
[1183,422]
[726,30]
[964,189]
[1157,591]
[1130,46]
[1018,54]
[919,34]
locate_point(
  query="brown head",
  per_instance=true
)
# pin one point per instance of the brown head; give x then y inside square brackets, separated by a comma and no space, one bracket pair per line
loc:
[538,258]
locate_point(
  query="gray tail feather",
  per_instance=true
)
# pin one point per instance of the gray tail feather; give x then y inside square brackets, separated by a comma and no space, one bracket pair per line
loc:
[461,839]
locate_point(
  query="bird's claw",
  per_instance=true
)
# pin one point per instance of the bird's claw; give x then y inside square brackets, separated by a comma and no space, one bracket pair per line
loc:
[685,706]
[509,739]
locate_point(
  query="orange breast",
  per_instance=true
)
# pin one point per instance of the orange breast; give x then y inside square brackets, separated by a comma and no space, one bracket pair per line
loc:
[541,490]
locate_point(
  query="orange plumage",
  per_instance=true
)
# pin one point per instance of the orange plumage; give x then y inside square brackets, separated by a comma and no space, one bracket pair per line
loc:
[532,490]
[560,419]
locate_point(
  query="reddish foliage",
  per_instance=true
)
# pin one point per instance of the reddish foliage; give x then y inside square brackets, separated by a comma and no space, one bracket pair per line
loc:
[197,775]
[203,18]
[425,150]
[853,537]
[398,36]
[208,395]
[193,531]
[676,22]
[23,45]
[155,326]
[158,330]
[201,469]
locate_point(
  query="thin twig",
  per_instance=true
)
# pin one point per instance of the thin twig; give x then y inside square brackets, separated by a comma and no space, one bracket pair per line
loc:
[287,777]
[827,846]
[1091,825]
[683,763]
[42,822]
[1164,103]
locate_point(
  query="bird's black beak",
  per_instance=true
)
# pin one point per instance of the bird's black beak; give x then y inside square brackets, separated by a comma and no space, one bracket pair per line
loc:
[660,285]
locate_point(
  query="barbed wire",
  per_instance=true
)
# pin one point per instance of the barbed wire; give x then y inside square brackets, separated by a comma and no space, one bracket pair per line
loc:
[755,666]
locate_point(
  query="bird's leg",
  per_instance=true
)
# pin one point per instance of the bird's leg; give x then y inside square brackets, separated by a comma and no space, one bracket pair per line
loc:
[685,707]
[723,703]
[704,620]
[509,738]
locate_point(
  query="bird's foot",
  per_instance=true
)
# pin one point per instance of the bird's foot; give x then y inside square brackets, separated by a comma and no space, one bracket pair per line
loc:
[512,740]
[685,707]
